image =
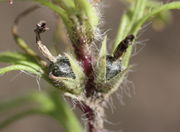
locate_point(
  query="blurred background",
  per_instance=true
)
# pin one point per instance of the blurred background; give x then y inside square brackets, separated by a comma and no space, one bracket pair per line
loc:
[156,75]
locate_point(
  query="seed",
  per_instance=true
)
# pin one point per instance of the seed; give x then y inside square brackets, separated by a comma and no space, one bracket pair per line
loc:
[61,68]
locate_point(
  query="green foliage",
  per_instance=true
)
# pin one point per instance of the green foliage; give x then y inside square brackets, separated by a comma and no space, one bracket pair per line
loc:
[50,104]
[89,11]
[18,67]
[21,59]
[78,71]
[81,21]
[101,62]
[134,18]
[78,82]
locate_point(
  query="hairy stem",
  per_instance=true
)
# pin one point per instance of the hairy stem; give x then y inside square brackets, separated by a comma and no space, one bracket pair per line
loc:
[93,115]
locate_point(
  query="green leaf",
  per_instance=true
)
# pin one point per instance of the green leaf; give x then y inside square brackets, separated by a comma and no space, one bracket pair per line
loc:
[13,57]
[67,4]
[137,11]
[50,104]
[160,20]
[127,56]
[7,106]
[85,7]
[129,19]
[121,31]
[53,7]
[64,114]
[76,68]
[140,22]
[101,62]
[70,85]
[53,104]
[22,44]
[57,9]
[20,58]
[165,7]
[16,117]
[19,67]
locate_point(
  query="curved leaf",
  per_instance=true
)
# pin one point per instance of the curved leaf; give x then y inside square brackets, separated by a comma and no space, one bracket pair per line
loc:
[17,116]
[165,7]
[19,67]
[50,104]
[67,4]
[19,58]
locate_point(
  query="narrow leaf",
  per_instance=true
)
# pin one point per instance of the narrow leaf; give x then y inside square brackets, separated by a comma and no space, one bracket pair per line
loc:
[13,57]
[165,7]
[121,31]
[22,44]
[78,71]
[19,58]
[101,63]
[64,114]
[50,104]
[139,23]
[16,117]
[85,7]
[53,7]
[67,4]
[19,67]
[138,13]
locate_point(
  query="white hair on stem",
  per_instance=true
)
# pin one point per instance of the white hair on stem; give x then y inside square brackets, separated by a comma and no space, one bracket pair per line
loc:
[34,76]
[38,79]
[137,49]
[16,76]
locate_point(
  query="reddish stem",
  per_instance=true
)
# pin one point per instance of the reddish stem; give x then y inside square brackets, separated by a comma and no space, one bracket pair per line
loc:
[85,58]
[89,113]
